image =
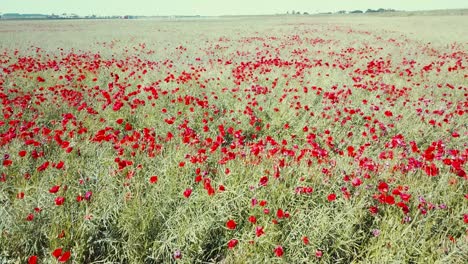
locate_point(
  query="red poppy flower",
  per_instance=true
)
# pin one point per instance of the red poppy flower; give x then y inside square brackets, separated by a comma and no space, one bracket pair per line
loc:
[405,197]
[30,217]
[65,257]
[59,200]
[187,192]
[259,231]
[54,189]
[280,213]
[356,182]
[60,165]
[318,253]
[88,195]
[389,199]
[263,181]
[57,252]
[43,166]
[331,197]
[32,260]
[382,187]
[431,170]
[117,105]
[153,179]
[279,251]
[231,224]
[128,127]
[232,243]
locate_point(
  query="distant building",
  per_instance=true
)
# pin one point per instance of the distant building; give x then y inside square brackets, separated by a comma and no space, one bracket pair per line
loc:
[68,16]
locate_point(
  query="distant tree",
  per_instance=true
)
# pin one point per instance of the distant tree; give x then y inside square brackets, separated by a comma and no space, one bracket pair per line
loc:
[356,12]
[53,16]
[306,13]
[341,12]
[380,10]
[371,11]
[293,12]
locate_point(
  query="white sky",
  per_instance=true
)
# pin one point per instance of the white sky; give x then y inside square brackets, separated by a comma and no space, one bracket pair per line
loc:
[214,7]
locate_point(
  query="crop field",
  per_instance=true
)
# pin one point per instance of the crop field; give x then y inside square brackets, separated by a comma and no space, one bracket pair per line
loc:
[273,139]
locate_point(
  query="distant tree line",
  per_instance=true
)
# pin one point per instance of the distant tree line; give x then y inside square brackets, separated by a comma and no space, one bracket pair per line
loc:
[380,10]
[296,13]
[18,16]
[368,11]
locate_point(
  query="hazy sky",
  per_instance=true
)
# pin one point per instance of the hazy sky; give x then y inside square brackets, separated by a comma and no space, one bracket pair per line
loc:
[214,7]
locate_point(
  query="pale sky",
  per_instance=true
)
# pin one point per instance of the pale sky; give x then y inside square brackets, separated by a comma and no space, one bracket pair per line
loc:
[214,7]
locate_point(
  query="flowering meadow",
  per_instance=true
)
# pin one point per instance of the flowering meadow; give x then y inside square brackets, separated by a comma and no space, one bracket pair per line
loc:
[234,140]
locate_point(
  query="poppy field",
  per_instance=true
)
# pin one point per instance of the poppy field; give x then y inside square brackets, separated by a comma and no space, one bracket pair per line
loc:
[255,140]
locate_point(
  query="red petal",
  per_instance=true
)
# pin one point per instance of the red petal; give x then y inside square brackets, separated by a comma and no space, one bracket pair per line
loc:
[32,260]
[232,243]
[231,224]
[153,179]
[54,189]
[64,258]
[57,253]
